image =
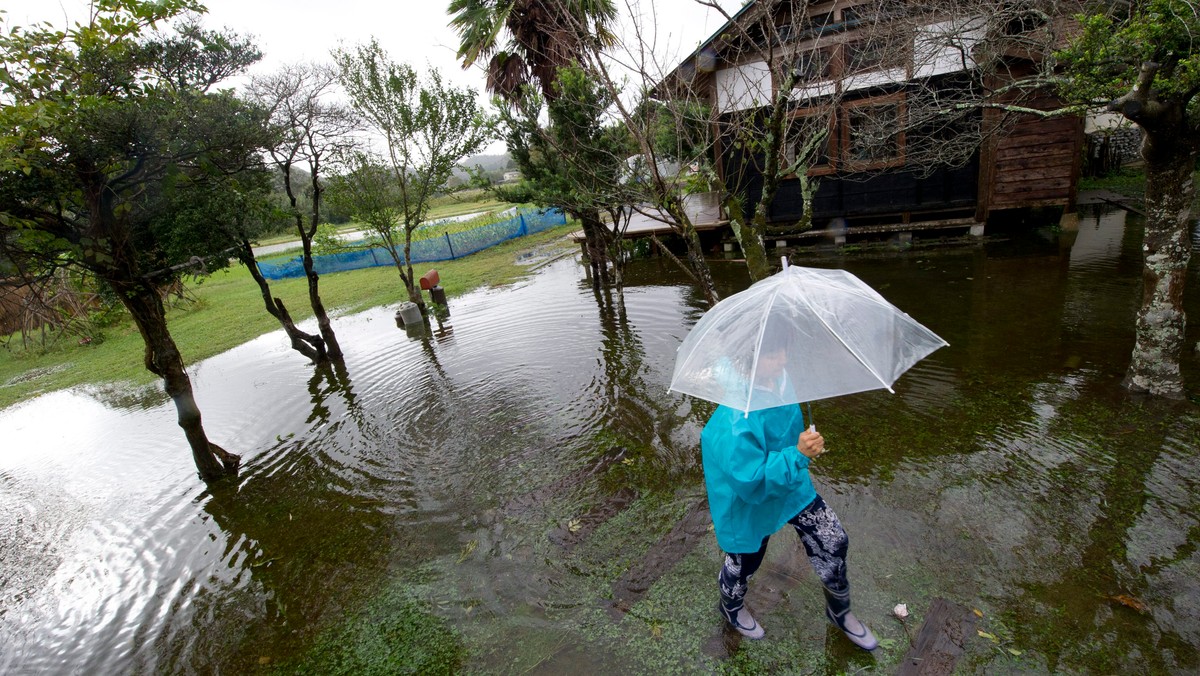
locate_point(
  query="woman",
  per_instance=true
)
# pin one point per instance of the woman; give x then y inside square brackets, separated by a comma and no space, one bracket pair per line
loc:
[756,473]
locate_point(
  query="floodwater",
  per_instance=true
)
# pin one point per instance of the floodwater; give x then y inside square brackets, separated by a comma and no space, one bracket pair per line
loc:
[514,491]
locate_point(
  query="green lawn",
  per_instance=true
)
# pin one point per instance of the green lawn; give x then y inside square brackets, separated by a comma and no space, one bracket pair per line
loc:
[446,206]
[229,311]
[465,202]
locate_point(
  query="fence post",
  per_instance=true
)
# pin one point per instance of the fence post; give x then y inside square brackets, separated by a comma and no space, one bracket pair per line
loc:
[449,244]
[522,231]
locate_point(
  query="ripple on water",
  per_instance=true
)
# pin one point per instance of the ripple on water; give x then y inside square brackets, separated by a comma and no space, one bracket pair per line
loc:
[458,452]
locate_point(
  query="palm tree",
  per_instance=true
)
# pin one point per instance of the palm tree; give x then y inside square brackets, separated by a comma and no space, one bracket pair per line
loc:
[542,36]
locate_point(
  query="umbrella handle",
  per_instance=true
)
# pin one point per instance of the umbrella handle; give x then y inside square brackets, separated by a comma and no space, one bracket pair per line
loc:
[813,428]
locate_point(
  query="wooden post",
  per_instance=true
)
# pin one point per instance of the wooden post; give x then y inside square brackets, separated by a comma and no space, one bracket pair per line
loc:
[942,639]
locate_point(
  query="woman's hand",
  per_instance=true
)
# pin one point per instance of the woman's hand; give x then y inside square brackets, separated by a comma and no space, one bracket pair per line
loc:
[811,443]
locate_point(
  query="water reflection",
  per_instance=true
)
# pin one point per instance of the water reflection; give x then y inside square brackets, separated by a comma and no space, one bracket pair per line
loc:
[521,469]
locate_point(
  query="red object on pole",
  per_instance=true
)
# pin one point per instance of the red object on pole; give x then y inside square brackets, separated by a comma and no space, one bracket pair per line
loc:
[429,280]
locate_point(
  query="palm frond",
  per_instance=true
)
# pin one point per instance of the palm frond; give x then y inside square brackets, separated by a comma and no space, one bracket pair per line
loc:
[478,24]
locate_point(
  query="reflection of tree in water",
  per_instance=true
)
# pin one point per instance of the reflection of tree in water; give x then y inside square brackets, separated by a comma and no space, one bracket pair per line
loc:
[312,549]
[638,415]
[329,378]
[122,397]
[319,524]
[1101,595]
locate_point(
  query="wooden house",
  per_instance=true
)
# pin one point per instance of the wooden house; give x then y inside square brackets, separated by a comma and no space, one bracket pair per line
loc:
[916,102]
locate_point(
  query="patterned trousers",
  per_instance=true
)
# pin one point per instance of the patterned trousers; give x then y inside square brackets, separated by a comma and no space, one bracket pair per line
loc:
[824,540]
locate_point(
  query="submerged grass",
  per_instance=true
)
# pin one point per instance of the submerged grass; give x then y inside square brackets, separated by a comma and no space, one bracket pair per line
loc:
[395,634]
[227,310]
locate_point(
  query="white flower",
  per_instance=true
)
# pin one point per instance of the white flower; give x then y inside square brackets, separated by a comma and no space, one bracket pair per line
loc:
[900,611]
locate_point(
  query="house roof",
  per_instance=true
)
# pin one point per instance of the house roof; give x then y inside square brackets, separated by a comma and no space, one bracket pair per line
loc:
[695,55]
[708,41]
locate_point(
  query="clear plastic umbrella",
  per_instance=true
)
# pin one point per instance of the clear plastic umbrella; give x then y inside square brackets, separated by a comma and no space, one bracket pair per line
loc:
[801,335]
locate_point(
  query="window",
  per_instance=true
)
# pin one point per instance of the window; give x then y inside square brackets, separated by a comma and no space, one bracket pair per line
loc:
[815,64]
[868,54]
[873,136]
[1017,21]
[871,12]
[810,132]
[818,24]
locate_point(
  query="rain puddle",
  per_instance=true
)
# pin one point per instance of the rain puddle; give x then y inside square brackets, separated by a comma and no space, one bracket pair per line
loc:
[514,490]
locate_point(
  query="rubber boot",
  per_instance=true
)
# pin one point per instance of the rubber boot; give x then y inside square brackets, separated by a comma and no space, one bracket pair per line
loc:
[733,610]
[837,609]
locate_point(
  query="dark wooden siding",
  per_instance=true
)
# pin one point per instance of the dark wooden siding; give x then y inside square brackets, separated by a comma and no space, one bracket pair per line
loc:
[1037,161]
[892,191]
[897,191]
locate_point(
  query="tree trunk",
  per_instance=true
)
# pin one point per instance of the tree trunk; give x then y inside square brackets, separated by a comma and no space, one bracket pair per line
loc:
[323,324]
[695,251]
[596,240]
[750,238]
[695,257]
[305,343]
[410,279]
[314,299]
[755,231]
[332,349]
[1154,366]
[163,359]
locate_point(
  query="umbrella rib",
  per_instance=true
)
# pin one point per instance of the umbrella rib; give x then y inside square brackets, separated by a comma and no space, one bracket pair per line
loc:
[740,302]
[874,297]
[841,340]
[762,328]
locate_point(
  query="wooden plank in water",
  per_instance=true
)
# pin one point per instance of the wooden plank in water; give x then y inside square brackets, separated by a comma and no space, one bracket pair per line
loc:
[661,558]
[942,639]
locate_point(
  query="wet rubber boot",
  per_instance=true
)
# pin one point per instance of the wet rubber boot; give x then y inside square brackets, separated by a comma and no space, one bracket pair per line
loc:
[837,609]
[743,622]
[733,610]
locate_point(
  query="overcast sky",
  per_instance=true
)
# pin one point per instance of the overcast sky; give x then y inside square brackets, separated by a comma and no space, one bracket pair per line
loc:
[413,31]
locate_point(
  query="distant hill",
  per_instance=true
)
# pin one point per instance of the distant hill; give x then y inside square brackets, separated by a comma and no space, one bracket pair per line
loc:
[492,165]
[488,162]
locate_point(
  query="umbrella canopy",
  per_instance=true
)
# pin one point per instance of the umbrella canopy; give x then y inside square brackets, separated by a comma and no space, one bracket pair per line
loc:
[800,335]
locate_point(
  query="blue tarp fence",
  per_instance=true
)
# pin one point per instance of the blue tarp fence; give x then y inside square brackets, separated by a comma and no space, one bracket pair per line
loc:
[447,247]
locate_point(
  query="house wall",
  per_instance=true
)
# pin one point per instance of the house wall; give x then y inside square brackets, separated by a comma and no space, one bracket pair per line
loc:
[743,87]
[945,47]
[1036,163]
[896,191]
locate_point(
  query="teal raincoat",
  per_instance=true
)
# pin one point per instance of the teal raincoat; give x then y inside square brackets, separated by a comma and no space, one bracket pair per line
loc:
[756,477]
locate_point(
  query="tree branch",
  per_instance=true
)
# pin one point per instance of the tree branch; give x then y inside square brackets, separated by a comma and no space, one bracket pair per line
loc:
[1138,105]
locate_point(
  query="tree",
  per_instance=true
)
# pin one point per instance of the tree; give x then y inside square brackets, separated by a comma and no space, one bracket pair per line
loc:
[367,188]
[310,129]
[1142,59]
[543,36]
[660,188]
[242,212]
[428,127]
[575,162]
[104,125]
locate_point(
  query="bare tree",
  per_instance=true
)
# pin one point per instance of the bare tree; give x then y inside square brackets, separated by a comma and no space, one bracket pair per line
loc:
[427,125]
[851,91]
[311,128]
[660,188]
